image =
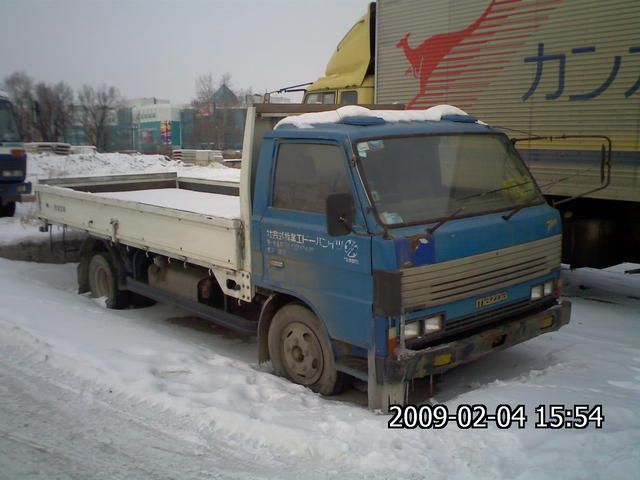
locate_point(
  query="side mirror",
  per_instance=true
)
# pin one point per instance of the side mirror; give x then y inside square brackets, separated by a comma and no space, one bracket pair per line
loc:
[341,213]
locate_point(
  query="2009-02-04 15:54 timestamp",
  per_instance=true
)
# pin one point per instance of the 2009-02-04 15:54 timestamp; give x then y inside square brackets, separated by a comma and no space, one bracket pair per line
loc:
[479,416]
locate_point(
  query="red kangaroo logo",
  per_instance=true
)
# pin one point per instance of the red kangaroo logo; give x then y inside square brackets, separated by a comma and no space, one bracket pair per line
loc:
[474,55]
[424,59]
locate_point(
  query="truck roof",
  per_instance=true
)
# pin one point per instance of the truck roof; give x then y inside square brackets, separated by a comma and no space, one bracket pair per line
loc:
[358,122]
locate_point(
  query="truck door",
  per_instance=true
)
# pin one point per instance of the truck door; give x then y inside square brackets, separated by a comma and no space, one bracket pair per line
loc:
[332,274]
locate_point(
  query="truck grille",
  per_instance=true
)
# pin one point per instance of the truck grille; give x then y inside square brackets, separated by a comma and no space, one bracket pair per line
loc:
[439,283]
[462,326]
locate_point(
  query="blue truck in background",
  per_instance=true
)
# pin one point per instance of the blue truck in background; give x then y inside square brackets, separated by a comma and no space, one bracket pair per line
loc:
[384,245]
[13,161]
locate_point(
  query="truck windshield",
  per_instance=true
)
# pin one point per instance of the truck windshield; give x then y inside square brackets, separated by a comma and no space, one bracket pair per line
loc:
[421,179]
[8,128]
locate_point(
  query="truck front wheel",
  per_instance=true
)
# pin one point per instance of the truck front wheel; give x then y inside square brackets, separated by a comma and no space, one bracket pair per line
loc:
[8,209]
[103,281]
[300,350]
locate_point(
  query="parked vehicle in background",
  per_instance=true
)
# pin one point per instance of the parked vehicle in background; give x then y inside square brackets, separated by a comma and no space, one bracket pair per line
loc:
[382,245]
[538,70]
[13,161]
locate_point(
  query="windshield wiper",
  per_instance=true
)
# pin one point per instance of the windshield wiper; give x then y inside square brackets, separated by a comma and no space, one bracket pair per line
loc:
[487,192]
[516,209]
[431,230]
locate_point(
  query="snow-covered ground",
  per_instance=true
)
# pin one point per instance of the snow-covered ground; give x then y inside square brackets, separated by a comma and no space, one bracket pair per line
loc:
[24,226]
[87,392]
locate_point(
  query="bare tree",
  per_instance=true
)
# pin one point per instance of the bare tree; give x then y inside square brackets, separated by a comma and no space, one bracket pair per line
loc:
[63,95]
[55,111]
[204,90]
[19,86]
[225,100]
[97,104]
[204,126]
[216,107]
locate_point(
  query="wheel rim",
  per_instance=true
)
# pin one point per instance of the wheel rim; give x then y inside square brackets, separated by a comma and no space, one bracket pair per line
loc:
[101,282]
[302,354]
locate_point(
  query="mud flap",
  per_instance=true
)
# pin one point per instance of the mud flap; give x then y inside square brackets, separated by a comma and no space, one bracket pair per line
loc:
[382,395]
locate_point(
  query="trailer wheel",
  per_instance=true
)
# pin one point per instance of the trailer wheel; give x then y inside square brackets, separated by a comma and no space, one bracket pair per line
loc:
[103,281]
[300,351]
[8,209]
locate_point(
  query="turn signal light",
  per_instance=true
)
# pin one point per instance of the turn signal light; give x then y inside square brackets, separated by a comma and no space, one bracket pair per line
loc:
[17,153]
[391,340]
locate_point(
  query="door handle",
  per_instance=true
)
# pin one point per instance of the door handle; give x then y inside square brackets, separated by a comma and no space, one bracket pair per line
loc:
[276,263]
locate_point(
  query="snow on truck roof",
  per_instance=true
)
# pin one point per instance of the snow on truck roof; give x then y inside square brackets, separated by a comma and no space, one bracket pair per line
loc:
[357,115]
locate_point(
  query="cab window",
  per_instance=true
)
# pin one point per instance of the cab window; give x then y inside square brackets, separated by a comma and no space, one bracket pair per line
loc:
[329,98]
[317,98]
[349,97]
[306,174]
[313,98]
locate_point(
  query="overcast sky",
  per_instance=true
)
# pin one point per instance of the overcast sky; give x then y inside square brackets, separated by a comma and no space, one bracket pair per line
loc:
[159,47]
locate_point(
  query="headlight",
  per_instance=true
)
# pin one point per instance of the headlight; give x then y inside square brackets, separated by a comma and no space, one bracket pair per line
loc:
[536,292]
[12,173]
[423,327]
[432,324]
[548,287]
[412,330]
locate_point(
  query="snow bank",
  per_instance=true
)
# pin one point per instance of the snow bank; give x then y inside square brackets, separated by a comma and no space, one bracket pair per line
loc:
[308,120]
[157,356]
[82,165]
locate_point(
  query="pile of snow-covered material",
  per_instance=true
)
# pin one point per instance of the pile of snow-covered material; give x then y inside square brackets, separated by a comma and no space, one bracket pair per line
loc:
[54,166]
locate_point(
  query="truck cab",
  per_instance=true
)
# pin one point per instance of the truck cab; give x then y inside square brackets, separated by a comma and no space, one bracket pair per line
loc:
[13,160]
[418,245]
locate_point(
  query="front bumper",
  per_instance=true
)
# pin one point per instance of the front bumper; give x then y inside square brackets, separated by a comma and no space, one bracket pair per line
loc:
[405,364]
[13,192]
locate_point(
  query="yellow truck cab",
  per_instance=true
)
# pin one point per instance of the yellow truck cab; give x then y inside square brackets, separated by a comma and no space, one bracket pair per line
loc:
[349,77]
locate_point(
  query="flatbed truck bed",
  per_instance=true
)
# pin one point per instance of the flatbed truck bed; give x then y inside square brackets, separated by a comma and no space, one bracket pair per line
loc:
[191,220]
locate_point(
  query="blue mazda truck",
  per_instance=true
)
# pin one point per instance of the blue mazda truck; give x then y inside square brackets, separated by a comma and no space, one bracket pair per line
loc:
[13,161]
[385,245]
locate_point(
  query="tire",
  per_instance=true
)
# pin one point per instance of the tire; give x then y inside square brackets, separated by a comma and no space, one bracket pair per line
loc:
[300,351]
[103,281]
[8,209]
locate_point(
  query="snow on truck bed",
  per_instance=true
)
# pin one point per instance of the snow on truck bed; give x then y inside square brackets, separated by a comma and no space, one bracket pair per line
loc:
[308,120]
[212,204]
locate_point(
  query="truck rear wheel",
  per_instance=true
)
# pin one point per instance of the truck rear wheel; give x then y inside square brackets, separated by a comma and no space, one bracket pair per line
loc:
[300,351]
[103,281]
[8,209]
